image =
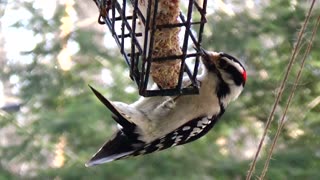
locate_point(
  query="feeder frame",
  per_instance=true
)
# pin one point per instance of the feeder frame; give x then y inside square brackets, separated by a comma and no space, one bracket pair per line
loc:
[137,57]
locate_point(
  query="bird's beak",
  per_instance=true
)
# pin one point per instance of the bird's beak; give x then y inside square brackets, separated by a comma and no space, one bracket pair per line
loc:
[204,52]
[210,57]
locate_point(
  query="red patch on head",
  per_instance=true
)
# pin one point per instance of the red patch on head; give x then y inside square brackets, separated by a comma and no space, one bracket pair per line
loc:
[244,75]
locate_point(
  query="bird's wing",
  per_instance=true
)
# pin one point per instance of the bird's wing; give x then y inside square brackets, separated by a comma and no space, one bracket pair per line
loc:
[186,133]
[121,146]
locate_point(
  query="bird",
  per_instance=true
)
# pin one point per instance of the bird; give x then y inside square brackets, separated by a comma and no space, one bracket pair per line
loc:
[156,123]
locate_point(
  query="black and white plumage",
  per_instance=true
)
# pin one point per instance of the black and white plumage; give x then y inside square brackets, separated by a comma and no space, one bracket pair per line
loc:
[156,123]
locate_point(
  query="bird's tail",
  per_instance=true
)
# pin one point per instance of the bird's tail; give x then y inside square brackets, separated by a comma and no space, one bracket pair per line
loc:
[128,127]
[124,142]
[120,146]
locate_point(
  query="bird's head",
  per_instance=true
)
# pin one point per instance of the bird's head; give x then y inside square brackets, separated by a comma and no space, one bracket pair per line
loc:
[226,66]
[229,72]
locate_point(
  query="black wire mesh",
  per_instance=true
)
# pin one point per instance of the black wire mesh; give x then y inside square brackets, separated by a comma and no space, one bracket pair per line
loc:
[121,17]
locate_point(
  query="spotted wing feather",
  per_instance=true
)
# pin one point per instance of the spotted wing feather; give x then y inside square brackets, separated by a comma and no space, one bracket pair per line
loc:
[188,132]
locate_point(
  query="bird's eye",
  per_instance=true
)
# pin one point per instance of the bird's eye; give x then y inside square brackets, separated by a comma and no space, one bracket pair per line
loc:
[223,64]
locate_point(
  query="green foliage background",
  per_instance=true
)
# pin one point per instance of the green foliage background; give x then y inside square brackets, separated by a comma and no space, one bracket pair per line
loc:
[58,103]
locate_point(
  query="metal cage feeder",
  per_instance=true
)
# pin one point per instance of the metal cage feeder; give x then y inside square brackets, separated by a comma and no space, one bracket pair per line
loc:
[122,16]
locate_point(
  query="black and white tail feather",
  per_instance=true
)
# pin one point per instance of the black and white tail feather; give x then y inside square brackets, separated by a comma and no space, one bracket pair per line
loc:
[157,123]
[123,143]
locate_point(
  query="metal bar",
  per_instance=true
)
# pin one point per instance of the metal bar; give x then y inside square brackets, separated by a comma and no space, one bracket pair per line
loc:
[114,34]
[123,24]
[123,36]
[119,9]
[173,57]
[142,88]
[171,92]
[118,18]
[185,43]
[193,38]
[133,44]
[113,15]
[109,24]
[202,10]
[128,35]
[203,13]
[201,28]
[161,26]
[196,66]
[195,70]
[127,59]
[151,42]
[142,18]
[187,70]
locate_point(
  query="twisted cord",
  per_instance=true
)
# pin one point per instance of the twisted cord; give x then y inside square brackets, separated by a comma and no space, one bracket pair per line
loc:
[279,95]
[280,126]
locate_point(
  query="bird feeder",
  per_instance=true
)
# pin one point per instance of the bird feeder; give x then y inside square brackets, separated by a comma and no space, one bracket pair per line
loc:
[154,37]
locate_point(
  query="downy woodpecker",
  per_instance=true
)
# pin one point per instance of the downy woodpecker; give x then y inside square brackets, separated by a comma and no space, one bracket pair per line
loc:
[157,123]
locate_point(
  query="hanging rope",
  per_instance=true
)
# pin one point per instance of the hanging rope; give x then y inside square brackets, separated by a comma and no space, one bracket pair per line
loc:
[281,89]
[280,126]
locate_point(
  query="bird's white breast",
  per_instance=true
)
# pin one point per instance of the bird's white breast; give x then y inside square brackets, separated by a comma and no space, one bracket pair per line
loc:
[187,108]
